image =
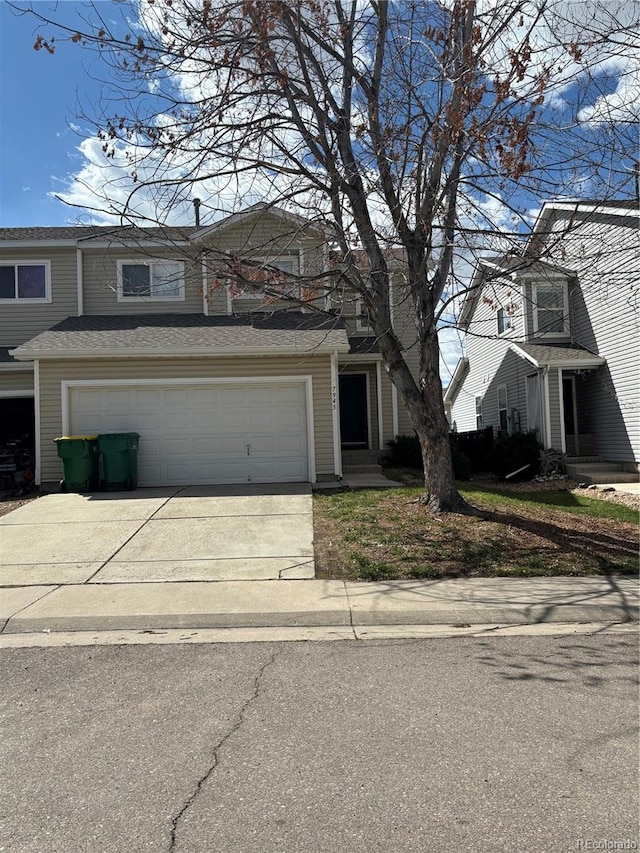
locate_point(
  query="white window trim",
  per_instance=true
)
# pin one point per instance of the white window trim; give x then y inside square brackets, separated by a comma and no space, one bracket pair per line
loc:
[46,300]
[146,262]
[362,324]
[479,413]
[508,317]
[565,309]
[269,261]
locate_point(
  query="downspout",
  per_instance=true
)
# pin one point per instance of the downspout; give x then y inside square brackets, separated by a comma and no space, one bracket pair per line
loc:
[563,437]
[205,290]
[394,410]
[335,416]
[547,408]
[36,413]
[79,282]
[379,402]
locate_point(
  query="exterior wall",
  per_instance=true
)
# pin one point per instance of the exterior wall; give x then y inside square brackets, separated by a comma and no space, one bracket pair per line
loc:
[554,408]
[605,253]
[491,363]
[100,282]
[20,322]
[267,236]
[52,373]
[15,380]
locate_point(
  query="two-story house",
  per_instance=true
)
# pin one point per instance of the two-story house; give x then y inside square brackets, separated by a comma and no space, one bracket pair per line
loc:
[552,340]
[176,333]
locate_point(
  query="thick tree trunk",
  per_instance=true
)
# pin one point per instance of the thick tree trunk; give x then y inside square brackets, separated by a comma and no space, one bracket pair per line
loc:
[432,430]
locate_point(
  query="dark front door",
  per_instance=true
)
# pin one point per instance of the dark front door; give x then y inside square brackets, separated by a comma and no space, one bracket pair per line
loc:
[354,428]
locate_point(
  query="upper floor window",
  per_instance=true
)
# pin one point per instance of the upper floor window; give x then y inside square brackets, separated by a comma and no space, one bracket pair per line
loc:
[363,322]
[551,310]
[265,277]
[150,280]
[25,281]
[504,320]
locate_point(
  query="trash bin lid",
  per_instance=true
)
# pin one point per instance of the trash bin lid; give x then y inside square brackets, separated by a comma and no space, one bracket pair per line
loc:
[76,438]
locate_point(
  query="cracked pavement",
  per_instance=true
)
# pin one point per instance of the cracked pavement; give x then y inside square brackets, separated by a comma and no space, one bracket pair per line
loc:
[480,744]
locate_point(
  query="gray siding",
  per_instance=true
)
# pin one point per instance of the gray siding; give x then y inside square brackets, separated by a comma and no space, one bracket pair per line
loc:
[490,362]
[54,372]
[20,322]
[605,252]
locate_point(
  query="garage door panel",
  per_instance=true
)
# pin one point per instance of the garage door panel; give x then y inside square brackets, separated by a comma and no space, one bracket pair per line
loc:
[199,433]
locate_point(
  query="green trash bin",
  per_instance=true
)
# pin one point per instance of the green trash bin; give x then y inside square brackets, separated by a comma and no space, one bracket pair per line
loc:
[79,454]
[119,460]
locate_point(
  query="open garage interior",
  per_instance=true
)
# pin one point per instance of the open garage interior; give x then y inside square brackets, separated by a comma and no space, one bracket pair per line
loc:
[211,432]
[17,440]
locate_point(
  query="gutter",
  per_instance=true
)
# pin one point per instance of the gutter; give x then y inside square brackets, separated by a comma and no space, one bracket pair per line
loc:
[217,352]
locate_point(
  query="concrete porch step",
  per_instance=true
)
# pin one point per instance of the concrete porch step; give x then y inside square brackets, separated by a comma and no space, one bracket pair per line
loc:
[361,469]
[583,460]
[600,471]
[605,477]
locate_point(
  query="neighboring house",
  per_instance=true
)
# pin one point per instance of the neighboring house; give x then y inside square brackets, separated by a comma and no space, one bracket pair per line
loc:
[552,339]
[108,329]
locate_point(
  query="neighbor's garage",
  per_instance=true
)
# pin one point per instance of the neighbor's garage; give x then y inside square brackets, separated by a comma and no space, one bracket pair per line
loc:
[201,433]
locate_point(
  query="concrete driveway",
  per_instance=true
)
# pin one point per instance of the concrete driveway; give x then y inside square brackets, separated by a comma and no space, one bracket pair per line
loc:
[195,533]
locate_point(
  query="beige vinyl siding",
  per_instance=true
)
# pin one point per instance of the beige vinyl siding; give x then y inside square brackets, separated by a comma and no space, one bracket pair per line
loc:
[490,361]
[605,253]
[20,322]
[100,274]
[404,325]
[15,380]
[52,373]
[387,408]
[263,237]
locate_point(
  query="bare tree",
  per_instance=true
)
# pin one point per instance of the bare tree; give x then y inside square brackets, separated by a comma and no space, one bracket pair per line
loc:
[400,126]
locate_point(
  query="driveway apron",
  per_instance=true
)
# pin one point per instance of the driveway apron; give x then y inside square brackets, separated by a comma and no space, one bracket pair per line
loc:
[153,535]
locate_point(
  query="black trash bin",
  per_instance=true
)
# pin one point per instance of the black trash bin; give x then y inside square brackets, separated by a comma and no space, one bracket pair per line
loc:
[119,460]
[79,454]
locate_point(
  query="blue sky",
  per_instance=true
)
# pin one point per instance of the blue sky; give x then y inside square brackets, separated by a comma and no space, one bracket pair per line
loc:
[38,94]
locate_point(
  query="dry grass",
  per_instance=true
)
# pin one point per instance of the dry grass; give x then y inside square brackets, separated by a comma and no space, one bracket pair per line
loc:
[375,535]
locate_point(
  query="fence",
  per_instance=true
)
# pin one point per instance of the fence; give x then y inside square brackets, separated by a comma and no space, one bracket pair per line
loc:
[476,446]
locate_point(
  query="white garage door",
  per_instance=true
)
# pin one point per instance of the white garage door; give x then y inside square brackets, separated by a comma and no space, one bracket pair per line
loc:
[203,433]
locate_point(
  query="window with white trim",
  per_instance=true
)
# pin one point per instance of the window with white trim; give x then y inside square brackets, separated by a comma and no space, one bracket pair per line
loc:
[264,272]
[25,281]
[504,321]
[479,424]
[551,309]
[503,415]
[363,323]
[150,280]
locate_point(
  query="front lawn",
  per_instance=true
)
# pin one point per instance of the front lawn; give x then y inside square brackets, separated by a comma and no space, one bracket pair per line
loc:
[378,535]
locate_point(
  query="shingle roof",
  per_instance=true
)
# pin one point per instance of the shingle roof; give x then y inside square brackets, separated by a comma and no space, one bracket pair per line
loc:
[88,232]
[164,334]
[363,346]
[558,356]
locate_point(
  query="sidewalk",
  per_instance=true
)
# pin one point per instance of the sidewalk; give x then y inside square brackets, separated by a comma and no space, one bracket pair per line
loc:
[316,603]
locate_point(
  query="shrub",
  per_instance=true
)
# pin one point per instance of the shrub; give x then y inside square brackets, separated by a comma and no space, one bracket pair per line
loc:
[515,451]
[404,452]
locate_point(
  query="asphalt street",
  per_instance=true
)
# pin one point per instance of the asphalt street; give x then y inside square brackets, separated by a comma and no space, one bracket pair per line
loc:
[469,744]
